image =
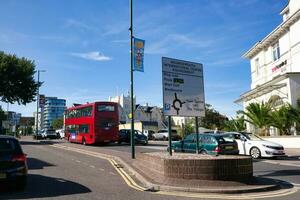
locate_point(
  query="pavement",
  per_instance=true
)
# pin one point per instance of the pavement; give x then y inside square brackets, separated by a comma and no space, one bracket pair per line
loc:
[143,177]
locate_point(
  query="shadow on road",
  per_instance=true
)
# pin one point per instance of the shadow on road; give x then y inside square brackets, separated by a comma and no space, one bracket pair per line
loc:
[40,142]
[43,186]
[282,173]
[34,163]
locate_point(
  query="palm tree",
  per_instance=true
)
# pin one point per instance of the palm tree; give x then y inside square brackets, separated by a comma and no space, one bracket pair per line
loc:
[258,115]
[237,124]
[283,118]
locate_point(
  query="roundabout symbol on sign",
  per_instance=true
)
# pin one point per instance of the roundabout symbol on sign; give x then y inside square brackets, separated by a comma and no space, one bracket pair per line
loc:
[177,103]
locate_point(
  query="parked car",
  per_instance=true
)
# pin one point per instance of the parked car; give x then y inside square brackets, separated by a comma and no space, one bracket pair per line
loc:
[13,162]
[213,144]
[40,135]
[49,133]
[164,134]
[149,134]
[139,137]
[60,133]
[253,145]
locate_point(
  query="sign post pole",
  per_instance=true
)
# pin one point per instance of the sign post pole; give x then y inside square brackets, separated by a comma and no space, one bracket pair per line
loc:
[170,135]
[197,135]
[131,85]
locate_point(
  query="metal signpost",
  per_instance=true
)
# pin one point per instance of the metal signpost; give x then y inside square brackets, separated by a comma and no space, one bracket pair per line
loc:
[136,64]
[183,91]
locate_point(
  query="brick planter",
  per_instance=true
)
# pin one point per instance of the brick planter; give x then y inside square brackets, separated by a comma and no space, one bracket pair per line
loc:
[201,167]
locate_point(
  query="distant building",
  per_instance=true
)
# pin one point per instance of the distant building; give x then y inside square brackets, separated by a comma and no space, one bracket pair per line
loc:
[275,64]
[150,116]
[54,108]
[13,120]
[38,119]
[124,106]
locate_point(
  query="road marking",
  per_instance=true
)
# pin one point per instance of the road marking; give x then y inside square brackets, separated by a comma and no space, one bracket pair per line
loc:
[92,166]
[78,161]
[131,183]
[112,173]
[101,169]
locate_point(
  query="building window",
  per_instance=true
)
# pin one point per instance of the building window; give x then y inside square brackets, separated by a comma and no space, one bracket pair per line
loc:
[256,64]
[276,52]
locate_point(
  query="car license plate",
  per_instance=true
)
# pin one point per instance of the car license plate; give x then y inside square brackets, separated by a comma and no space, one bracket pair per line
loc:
[229,147]
[280,151]
[2,176]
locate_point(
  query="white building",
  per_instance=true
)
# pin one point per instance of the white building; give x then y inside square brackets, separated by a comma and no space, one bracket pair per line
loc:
[124,106]
[151,115]
[275,63]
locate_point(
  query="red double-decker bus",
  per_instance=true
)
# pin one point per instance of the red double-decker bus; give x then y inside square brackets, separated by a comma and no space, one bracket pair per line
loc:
[92,123]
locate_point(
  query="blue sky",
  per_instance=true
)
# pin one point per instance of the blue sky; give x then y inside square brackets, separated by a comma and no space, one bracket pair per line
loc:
[84,45]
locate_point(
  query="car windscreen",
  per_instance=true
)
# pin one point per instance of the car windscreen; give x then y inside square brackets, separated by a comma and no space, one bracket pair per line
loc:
[9,146]
[222,140]
[252,137]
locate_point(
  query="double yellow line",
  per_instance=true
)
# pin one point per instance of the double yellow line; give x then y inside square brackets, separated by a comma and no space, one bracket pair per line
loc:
[131,183]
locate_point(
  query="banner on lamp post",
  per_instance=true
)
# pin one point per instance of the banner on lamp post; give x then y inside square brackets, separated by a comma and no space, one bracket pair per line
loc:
[138,54]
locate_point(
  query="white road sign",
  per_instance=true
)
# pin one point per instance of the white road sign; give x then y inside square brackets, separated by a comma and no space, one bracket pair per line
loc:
[183,88]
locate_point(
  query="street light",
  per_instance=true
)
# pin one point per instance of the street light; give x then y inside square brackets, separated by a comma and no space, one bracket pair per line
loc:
[37,103]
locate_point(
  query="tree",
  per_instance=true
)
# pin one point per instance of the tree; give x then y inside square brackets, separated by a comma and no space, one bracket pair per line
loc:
[258,115]
[58,123]
[2,117]
[237,124]
[213,119]
[17,79]
[283,119]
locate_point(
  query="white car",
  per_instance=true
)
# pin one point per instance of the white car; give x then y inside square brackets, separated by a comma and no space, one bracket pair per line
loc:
[253,145]
[164,134]
[60,133]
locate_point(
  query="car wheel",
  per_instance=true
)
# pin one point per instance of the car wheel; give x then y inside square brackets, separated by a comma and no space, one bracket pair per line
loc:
[255,152]
[203,152]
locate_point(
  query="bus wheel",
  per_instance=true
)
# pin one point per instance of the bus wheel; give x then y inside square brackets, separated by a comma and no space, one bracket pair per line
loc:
[83,141]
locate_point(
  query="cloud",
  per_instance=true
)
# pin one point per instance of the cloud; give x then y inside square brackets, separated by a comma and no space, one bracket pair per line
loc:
[80,25]
[93,55]
[173,41]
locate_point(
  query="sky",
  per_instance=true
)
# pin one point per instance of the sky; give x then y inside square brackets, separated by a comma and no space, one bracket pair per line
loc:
[84,46]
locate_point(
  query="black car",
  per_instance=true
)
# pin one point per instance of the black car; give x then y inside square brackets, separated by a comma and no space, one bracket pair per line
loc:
[139,137]
[13,162]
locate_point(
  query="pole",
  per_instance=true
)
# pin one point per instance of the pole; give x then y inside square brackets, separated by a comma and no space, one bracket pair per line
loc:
[197,135]
[37,105]
[131,85]
[170,135]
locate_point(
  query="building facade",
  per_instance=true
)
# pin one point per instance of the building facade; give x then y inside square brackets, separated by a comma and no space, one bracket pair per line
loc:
[54,108]
[148,115]
[275,64]
[124,106]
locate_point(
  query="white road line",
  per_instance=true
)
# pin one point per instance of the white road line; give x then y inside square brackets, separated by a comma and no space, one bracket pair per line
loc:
[92,166]
[78,161]
[112,173]
[101,169]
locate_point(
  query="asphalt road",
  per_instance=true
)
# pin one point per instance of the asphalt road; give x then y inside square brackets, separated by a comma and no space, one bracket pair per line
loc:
[58,174]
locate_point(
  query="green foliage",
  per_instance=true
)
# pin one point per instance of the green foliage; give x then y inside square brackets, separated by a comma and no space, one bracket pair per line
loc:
[189,128]
[237,124]
[213,119]
[58,123]
[17,79]
[283,119]
[2,117]
[259,115]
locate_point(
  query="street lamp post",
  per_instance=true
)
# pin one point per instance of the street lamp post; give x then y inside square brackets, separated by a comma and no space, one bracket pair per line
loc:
[131,85]
[37,103]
